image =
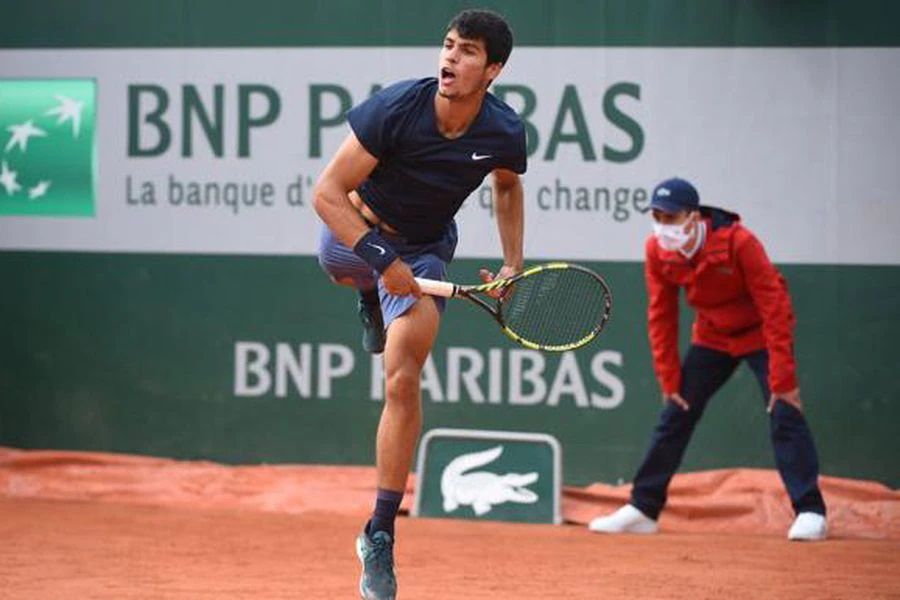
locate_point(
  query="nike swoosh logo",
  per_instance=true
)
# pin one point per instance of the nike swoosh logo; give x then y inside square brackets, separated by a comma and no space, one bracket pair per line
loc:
[476,156]
[377,247]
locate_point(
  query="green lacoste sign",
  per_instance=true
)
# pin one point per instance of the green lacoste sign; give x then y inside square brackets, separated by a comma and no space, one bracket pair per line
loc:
[47,157]
[491,475]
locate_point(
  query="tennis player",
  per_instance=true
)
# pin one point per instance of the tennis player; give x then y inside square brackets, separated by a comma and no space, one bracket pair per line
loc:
[743,314]
[388,198]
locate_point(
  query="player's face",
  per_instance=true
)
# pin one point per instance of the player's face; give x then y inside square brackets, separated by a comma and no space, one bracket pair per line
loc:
[463,68]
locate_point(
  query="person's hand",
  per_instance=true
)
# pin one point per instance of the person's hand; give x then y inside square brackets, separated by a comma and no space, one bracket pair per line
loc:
[792,397]
[505,272]
[677,400]
[398,280]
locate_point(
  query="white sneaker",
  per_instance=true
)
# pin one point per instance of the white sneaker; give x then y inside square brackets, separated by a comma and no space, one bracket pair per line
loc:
[808,526]
[627,519]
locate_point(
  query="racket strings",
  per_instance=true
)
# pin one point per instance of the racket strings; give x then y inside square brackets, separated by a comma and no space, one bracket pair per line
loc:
[556,306]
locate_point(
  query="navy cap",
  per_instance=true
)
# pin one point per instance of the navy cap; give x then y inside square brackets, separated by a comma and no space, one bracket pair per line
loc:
[674,195]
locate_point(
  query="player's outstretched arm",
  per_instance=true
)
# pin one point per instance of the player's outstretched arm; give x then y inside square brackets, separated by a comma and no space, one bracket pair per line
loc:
[509,204]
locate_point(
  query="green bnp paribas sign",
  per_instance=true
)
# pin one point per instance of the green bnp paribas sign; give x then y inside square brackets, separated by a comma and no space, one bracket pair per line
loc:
[47,141]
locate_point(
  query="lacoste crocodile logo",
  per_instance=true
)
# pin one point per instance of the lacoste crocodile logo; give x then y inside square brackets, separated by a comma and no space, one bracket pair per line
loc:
[483,490]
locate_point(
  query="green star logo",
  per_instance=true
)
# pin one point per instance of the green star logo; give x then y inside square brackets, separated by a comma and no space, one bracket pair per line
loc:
[47,149]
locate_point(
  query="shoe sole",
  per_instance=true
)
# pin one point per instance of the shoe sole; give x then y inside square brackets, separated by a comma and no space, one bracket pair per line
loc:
[640,530]
[808,538]
[359,555]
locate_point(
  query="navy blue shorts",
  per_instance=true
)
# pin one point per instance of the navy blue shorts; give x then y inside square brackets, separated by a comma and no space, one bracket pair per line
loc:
[427,260]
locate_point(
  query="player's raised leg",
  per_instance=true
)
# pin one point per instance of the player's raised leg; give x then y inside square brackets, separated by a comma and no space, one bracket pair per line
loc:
[346,268]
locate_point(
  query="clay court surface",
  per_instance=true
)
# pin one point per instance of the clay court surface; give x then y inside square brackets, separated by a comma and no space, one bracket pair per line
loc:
[97,527]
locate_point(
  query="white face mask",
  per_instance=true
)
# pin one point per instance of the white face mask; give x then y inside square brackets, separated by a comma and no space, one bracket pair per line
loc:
[671,237]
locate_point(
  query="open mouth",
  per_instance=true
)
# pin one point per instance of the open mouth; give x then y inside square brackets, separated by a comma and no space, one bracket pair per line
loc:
[447,76]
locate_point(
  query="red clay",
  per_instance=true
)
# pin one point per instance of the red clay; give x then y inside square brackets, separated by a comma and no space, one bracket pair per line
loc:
[91,525]
[751,501]
[67,549]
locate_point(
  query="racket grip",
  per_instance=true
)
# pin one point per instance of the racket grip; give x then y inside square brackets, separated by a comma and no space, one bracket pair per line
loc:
[433,287]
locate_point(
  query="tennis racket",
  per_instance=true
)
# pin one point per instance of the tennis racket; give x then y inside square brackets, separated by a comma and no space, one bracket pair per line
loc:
[553,307]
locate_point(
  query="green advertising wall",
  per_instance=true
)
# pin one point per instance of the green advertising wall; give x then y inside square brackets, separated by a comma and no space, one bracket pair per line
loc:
[230,23]
[137,352]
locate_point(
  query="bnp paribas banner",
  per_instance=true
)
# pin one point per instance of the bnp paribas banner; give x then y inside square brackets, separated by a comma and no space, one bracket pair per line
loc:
[160,295]
[217,151]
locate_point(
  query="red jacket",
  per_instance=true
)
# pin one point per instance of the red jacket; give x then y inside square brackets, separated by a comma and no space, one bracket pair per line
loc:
[741,301]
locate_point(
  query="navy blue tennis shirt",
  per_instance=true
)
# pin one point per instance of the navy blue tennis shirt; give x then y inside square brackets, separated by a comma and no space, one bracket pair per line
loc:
[422,177]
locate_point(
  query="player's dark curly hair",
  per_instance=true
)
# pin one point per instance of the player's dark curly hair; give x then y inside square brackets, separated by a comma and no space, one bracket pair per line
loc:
[489,27]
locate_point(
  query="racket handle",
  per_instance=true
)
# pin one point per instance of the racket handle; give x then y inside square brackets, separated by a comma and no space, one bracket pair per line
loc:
[433,287]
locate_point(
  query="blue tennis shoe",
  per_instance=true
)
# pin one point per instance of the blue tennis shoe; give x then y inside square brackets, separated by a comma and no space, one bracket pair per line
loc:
[373,327]
[376,553]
